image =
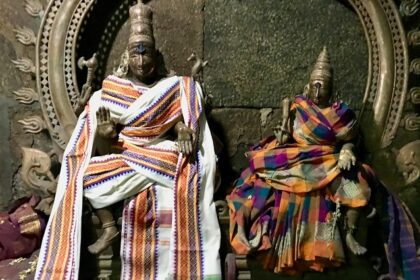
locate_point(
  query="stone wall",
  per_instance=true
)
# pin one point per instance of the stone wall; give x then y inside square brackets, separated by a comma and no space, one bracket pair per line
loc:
[12,135]
[262,51]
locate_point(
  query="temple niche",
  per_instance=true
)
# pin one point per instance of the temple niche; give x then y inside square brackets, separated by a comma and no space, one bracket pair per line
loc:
[257,53]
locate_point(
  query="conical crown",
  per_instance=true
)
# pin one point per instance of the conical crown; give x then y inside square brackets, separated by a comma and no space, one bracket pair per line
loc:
[141,19]
[322,68]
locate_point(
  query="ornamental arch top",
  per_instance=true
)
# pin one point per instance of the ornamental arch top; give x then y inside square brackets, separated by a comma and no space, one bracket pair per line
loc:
[63,25]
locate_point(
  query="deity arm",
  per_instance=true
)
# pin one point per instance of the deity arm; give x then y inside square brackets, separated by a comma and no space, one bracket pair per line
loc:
[101,146]
[347,137]
[347,157]
[106,132]
[185,137]
[283,130]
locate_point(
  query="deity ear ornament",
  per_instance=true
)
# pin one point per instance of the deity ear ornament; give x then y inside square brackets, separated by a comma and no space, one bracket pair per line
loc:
[306,90]
[122,69]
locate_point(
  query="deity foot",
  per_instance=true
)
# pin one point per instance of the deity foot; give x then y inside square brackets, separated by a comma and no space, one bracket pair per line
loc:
[241,235]
[354,246]
[108,236]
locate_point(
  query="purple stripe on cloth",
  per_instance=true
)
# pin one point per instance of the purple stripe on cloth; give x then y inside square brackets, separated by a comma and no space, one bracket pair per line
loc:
[149,219]
[107,179]
[153,105]
[200,233]
[119,96]
[156,230]
[410,262]
[190,212]
[113,102]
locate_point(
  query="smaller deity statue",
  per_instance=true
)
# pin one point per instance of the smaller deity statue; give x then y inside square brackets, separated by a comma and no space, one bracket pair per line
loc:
[290,197]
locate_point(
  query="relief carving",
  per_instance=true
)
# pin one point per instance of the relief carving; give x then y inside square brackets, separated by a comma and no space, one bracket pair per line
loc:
[413,37]
[26,95]
[34,124]
[415,66]
[415,95]
[25,65]
[25,35]
[409,7]
[408,162]
[411,122]
[36,174]
[34,8]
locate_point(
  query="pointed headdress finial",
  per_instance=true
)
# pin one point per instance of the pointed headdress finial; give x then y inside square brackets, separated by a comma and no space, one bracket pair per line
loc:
[141,19]
[322,68]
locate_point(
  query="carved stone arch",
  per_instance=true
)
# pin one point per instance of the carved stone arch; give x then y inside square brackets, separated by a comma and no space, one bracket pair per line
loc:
[55,63]
[386,85]
[385,91]
[56,60]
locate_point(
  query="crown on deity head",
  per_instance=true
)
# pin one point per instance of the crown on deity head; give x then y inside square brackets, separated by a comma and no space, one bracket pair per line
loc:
[141,19]
[322,68]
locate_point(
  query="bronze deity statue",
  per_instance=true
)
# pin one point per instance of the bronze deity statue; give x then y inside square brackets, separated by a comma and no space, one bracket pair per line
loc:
[142,138]
[291,196]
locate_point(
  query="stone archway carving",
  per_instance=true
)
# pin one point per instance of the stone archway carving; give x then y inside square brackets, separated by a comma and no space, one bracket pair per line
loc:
[386,85]
[385,91]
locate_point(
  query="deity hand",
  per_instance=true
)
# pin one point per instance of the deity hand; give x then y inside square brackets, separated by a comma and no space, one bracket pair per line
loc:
[186,138]
[85,95]
[346,159]
[107,127]
[281,134]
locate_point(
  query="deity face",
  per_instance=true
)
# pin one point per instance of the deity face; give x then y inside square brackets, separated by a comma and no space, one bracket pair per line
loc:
[141,61]
[320,92]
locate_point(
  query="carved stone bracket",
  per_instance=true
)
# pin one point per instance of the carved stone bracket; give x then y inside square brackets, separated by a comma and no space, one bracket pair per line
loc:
[415,95]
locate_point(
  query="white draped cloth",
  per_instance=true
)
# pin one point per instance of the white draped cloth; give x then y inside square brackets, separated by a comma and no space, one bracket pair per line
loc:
[151,240]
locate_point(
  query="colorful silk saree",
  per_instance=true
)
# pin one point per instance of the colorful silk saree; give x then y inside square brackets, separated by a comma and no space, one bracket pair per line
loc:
[285,204]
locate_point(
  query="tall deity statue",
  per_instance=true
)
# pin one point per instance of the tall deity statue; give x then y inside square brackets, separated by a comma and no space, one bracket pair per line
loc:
[144,139]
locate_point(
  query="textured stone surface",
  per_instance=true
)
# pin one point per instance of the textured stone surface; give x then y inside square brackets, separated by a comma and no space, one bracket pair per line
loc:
[261,51]
[12,137]
[238,129]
